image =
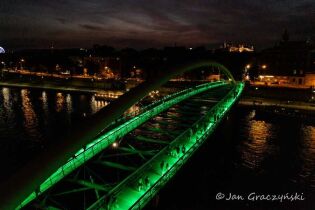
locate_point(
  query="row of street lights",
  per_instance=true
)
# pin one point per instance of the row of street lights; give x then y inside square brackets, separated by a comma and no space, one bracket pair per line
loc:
[248,66]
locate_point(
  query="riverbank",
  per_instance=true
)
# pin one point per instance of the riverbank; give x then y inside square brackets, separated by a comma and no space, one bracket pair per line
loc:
[49,87]
[268,102]
[288,98]
[276,110]
[280,93]
[62,82]
[99,93]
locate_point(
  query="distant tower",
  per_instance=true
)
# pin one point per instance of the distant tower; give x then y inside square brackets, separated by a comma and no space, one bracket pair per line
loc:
[285,36]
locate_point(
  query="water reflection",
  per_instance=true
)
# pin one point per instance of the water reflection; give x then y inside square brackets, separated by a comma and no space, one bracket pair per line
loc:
[7,112]
[6,98]
[69,103]
[308,155]
[30,118]
[93,104]
[255,148]
[60,100]
[44,100]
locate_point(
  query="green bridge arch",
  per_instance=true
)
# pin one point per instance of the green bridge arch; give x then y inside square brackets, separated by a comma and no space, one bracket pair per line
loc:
[18,187]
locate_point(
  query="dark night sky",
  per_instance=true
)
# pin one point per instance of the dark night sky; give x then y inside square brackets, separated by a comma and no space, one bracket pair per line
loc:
[151,23]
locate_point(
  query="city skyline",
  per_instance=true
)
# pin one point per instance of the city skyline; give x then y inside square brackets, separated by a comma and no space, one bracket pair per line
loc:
[39,24]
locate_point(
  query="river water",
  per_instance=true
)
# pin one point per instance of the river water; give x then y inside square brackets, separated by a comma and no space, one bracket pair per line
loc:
[246,154]
[30,118]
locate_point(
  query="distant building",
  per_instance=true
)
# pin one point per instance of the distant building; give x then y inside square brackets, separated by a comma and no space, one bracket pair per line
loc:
[108,67]
[288,62]
[309,79]
[237,48]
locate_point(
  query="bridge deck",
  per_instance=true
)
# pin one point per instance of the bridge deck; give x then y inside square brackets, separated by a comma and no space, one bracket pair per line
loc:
[109,137]
[142,185]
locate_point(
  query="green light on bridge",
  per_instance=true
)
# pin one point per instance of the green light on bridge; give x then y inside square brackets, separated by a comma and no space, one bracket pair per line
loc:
[130,195]
[105,140]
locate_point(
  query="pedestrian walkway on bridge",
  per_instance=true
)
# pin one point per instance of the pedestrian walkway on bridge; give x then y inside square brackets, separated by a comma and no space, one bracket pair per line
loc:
[135,166]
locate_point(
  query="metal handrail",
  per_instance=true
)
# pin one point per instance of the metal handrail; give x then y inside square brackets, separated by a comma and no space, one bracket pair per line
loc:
[201,120]
[139,172]
[77,160]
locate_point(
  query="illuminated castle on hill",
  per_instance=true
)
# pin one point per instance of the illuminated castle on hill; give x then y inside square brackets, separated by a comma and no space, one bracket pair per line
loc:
[237,48]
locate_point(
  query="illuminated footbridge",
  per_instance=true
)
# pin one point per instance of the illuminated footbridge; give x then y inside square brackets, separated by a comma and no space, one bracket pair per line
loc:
[126,164]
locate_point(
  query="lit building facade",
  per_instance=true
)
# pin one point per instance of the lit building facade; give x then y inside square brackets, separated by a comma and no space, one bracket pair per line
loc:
[288,63]
[237,48]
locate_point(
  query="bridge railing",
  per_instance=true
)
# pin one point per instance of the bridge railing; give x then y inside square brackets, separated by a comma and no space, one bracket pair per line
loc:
[205,123]
[103,141]
[126,117]
[203,127]
[198,133]
[131,117]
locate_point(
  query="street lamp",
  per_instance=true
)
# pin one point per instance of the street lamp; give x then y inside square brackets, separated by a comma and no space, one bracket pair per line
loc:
[21,62]
[115,144]
[264,66]
[246,70]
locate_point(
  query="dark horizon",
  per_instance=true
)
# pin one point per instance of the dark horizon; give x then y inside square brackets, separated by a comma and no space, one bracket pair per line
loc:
[137,24]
